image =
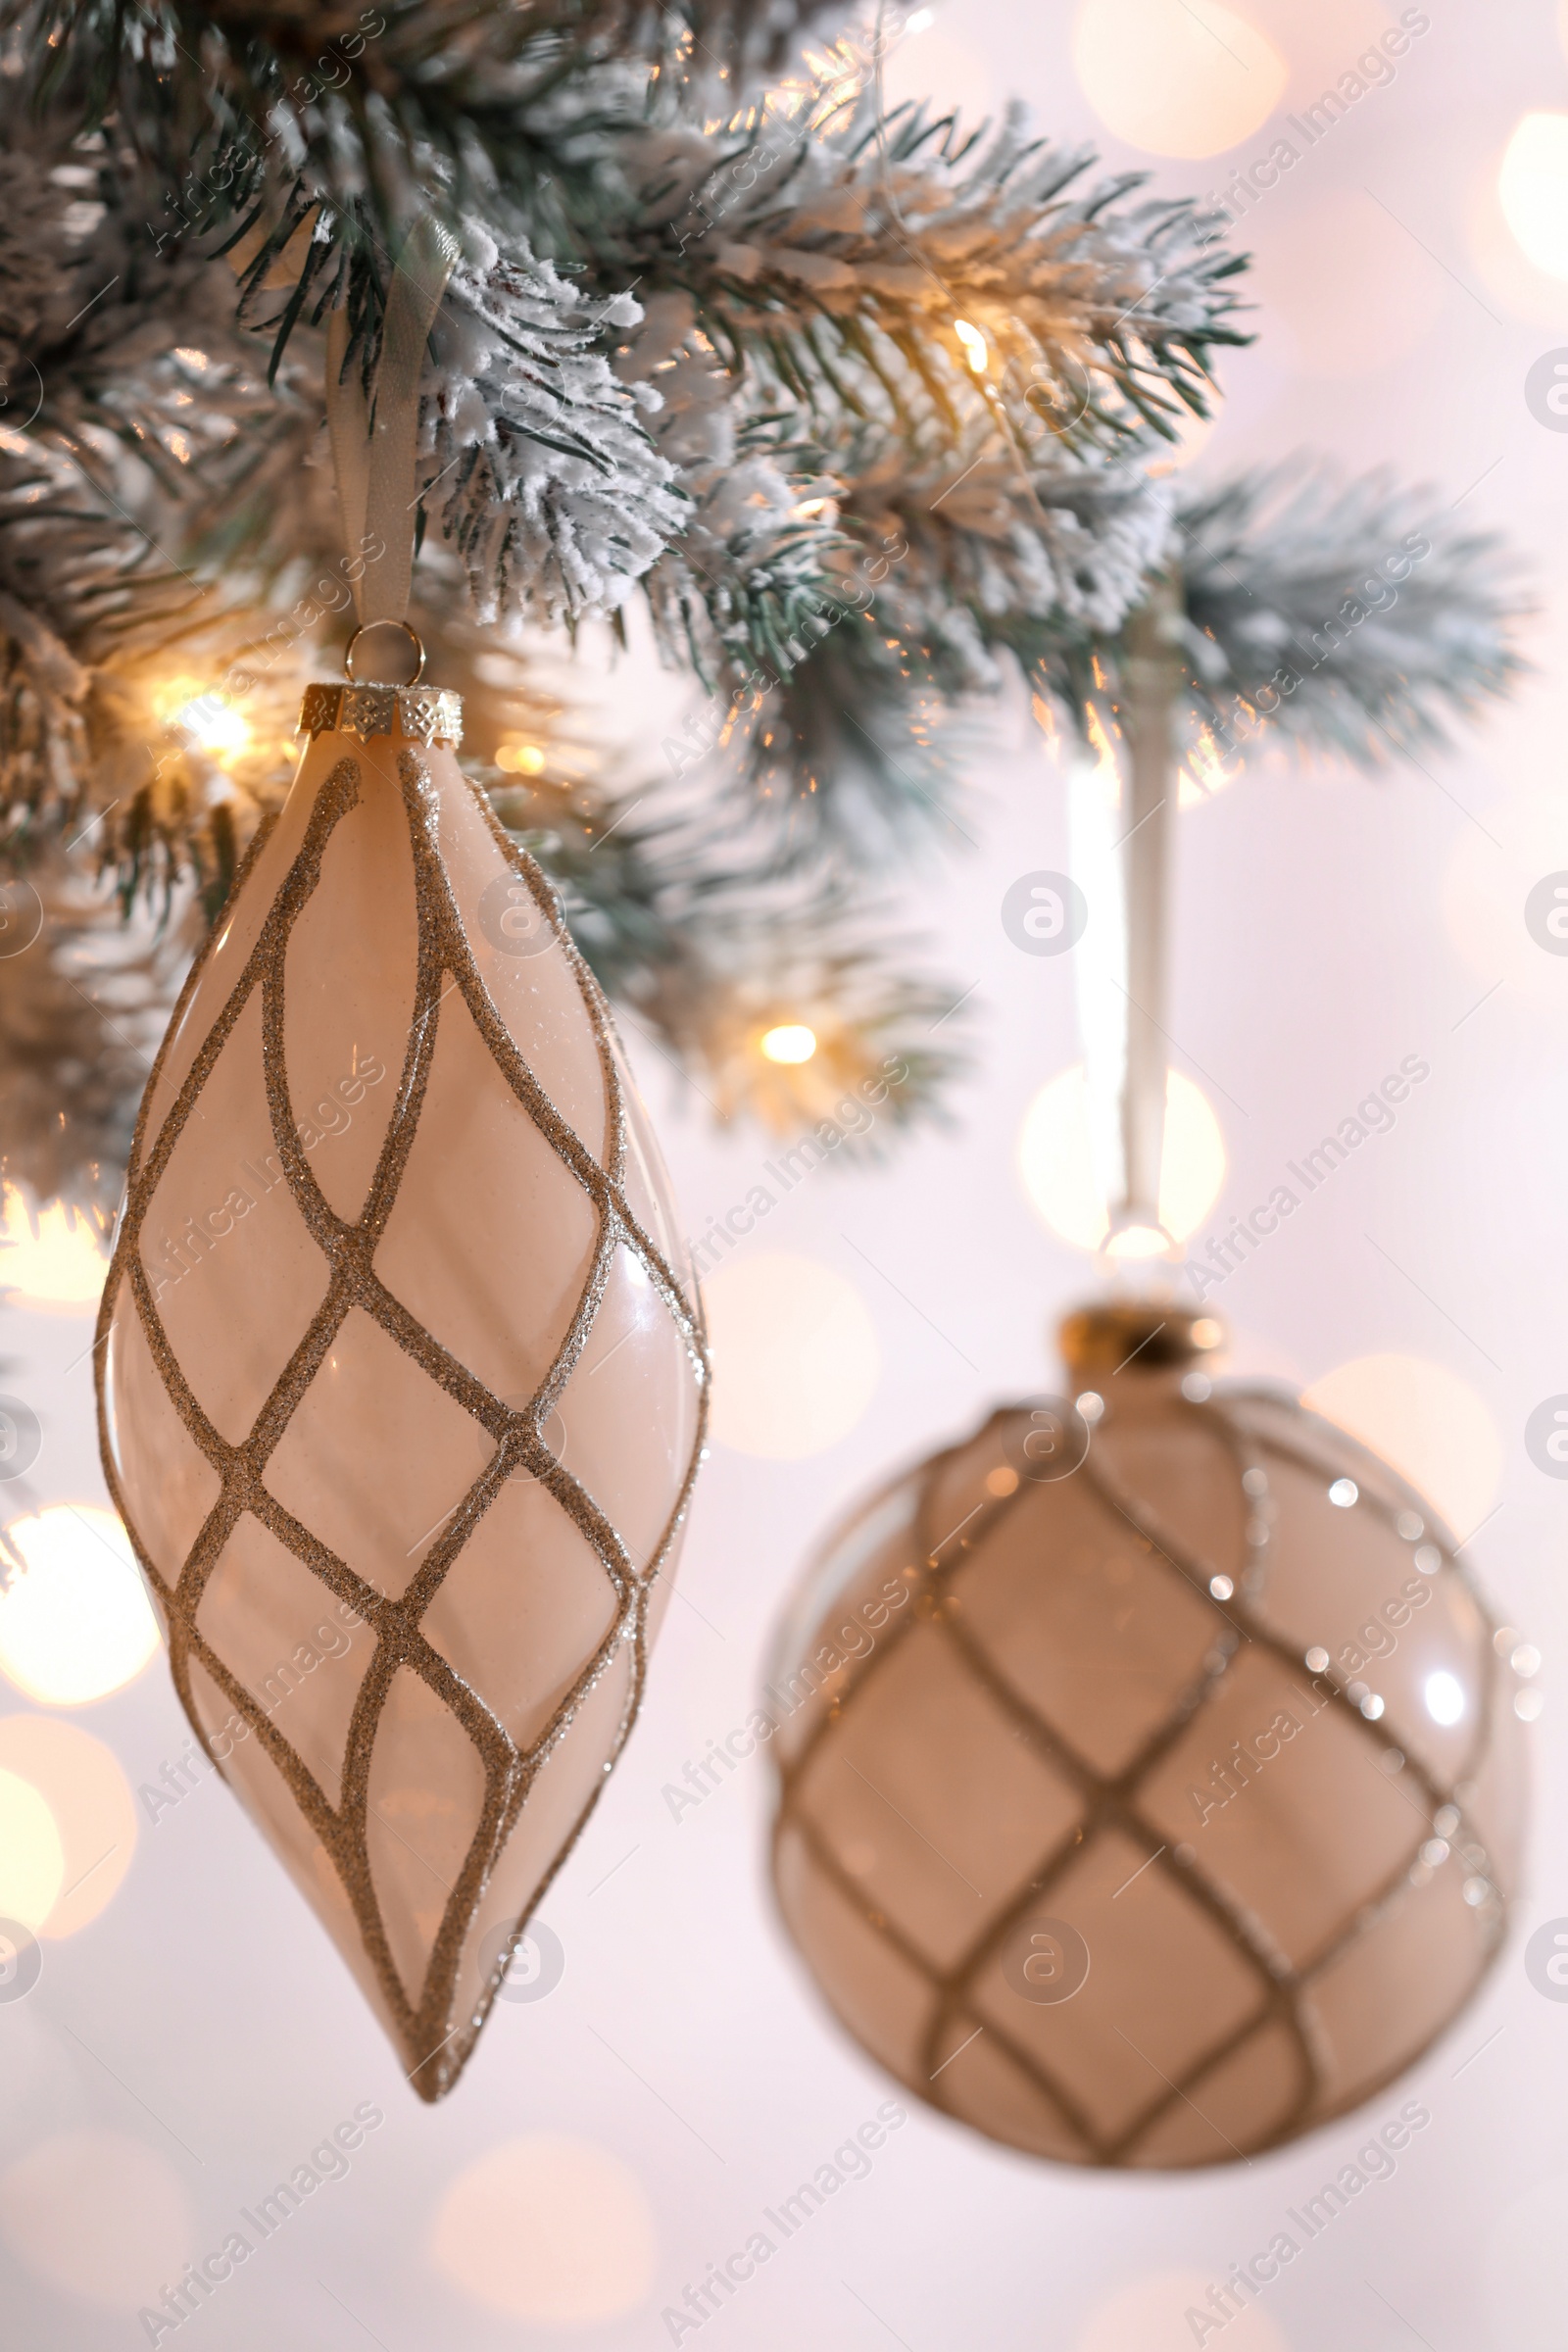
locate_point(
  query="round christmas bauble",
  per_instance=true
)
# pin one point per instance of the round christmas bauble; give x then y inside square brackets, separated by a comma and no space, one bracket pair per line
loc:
[1151,1788]
[401,1377]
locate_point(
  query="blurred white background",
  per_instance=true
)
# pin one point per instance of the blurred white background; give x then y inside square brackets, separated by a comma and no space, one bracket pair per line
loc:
[195,2037]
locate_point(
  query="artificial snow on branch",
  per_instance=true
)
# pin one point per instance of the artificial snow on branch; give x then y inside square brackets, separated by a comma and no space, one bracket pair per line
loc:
[415,99]
[843,259]
[1355,620]
[83,1006]
[535,457]
[709,946]
[1352,621]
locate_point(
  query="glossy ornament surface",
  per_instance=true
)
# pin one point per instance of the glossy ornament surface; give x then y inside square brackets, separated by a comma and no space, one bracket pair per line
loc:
[402,1382]
[1151,1788]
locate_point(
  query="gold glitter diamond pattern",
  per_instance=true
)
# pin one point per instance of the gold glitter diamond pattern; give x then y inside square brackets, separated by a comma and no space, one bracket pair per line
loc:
[1108,1806]
[437,2044]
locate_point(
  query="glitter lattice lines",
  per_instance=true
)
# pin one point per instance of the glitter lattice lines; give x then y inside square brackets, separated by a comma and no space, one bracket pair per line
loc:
[1019,1750]
[424,1799]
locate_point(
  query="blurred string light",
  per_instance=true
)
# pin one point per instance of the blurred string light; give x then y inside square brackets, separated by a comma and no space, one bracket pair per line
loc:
[1533,189]
[1151,2316]
[796,1356]
[76,1623]
[1057,1160]
[101,2218]
[51,1257]
[1185,77]
[93,1811]
[790,1041]
[553,2232]
[974,346]
[1427,1421]
[32,1857]
[208,719]
[520,758]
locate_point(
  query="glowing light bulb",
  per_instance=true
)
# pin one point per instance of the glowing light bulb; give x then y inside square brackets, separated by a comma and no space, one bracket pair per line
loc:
[1533,189]
[60,1266]
[791,1041]
[215,726]
[76,1623]
[974,345]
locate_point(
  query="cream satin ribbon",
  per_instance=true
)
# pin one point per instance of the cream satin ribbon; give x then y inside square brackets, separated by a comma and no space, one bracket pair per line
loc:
[1120,828]
[374,443]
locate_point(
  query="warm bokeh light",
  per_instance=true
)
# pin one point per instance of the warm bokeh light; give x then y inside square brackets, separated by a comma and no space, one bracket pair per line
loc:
[1183,78]
[1346,324]
[193,708]
[60,1265]
[216,726]
[974,345]
[933,58]
[795,1360]
[553,2232]
[32,1854]
[1137,1241]
[1427,1422]
[1487,897]
[100,2216]
[91,1808]
[791,1041]
[1151,2316]
[76,1623]
[1533,189]
[1056,1156]
[520,759]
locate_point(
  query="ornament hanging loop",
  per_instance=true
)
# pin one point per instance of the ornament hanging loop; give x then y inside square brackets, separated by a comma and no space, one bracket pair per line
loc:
[364,629]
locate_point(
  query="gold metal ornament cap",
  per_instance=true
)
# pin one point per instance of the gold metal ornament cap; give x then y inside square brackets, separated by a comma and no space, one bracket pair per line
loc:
[424,715]
[363,707]
[1135,1336]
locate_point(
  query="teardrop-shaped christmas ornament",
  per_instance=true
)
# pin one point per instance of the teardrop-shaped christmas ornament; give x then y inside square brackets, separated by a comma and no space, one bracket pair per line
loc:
[402,1381]
[1150,1791]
